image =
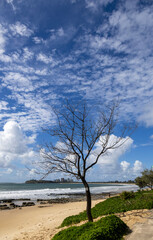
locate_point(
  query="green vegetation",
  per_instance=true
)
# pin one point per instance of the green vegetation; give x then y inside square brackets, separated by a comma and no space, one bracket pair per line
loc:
[110,227]
[139,200]
[146,180]
[140,182]
[127,195]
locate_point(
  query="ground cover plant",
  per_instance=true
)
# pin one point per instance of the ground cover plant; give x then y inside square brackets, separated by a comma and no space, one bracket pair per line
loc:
[138,200]
[110,227]
[127,195]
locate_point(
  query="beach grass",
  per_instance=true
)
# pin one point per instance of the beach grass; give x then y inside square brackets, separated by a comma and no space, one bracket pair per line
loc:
[139,200]
[110,227]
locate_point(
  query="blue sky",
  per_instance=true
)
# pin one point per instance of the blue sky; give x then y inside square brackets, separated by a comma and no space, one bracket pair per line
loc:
[97,50]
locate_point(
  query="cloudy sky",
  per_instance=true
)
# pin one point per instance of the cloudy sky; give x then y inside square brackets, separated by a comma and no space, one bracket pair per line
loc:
[96,50]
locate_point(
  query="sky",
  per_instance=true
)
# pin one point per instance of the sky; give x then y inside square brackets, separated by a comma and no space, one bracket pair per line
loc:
[96,50]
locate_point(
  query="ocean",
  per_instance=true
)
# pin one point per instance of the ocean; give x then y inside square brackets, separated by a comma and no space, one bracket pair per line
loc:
[56,190]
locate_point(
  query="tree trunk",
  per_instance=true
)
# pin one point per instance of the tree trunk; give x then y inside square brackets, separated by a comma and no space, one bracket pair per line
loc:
[88,196]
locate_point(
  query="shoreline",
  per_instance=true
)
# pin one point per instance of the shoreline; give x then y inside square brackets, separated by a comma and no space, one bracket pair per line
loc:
[10,204]
[67,191]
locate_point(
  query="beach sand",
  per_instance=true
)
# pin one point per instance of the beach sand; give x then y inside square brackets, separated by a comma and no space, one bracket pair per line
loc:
[37,223]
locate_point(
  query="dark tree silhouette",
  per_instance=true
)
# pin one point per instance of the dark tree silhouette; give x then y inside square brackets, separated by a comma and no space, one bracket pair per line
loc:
[78,130]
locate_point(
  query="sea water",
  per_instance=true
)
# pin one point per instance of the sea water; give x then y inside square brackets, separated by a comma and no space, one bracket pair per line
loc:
[57,190]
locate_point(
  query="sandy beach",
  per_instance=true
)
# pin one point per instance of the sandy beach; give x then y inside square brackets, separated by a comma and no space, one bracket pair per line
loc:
[37,223]
[41,222]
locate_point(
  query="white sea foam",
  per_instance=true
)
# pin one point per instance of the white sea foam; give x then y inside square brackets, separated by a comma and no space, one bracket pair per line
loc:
[62,192]
[114,189]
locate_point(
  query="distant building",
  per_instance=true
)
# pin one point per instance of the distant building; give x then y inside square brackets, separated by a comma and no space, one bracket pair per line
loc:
[57,180]
[63,180]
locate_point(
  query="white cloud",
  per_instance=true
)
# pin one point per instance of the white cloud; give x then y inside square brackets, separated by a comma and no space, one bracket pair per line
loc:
[3,57]
[3,105]
[109,166]
[5,159]
[2,38]
[128,34]
[12,139]
[9,171]
[125,165]
[14,145]
[138,167]
[11,3]
[27,54]
[38,40]
[60,32]
[133,29]
[47,59]
[36,112]
[116,170]
[151,137]
[6,171]
[21,30]
[43,58]
[32,172]
[18,82]
[146,116]
[94,5]
[112,155]
[73,1]
[57,34]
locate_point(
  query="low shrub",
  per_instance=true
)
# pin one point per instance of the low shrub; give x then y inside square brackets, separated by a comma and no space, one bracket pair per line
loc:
[107,228]
[114,205]
[127,195]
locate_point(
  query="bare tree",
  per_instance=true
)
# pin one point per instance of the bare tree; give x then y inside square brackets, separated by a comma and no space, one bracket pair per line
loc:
[77,134]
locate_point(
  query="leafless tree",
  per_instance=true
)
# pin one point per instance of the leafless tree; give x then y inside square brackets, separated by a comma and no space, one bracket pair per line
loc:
[77,133]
